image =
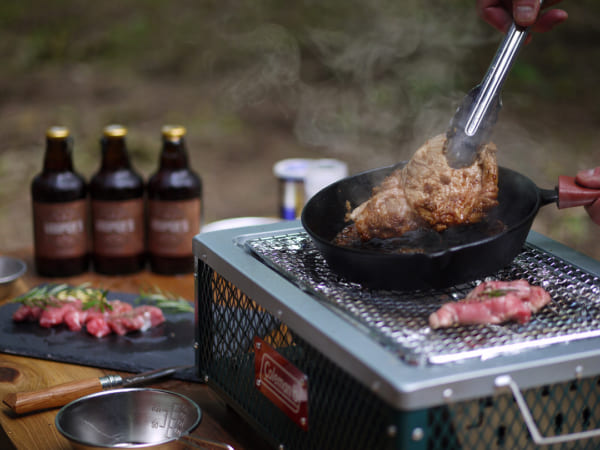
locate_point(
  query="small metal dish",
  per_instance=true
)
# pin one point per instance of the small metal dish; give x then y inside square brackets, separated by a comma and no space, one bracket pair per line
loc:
[11,269]
[132,418]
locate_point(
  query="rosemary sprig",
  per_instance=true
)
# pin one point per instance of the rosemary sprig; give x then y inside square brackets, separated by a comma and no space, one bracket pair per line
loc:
[52,294]
[165,300]
[45,295]
[97,299]
[497,292]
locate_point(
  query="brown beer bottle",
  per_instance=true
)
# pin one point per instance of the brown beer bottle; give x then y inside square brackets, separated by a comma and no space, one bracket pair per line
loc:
[174,207]
[58,195]
[117,198]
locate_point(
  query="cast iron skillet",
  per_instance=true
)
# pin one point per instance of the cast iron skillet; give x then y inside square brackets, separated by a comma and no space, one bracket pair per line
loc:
[474,257]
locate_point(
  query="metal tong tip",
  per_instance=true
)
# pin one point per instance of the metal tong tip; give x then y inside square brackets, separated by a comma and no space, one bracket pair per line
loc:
[474,119]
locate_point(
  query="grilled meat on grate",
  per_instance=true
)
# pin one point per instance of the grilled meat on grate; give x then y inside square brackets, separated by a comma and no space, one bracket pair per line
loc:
[492,302]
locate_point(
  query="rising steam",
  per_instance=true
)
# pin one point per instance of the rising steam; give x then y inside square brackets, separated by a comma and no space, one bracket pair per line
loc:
[392,77]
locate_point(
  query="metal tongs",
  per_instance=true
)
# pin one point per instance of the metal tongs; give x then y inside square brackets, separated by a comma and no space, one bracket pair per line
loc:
[474,119]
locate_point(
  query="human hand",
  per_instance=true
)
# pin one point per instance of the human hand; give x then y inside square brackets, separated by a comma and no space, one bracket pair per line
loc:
[590,178]
[501,13]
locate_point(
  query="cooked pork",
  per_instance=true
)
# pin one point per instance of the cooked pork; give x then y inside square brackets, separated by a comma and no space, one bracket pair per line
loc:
[444,196]
[387,213]
[492,302]
[427,192]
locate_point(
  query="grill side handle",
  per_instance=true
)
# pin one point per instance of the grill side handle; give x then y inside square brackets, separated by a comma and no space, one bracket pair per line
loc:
[505,383]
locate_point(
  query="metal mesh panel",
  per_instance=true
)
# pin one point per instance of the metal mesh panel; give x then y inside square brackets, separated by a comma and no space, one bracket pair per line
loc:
[343,414]
[496,422]
[398,320]
[340,409]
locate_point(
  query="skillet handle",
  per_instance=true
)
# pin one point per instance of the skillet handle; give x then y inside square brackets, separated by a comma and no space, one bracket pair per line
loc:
[571,194]
[548,196]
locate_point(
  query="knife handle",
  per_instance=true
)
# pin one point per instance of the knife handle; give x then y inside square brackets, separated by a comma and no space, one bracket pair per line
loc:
[55,396]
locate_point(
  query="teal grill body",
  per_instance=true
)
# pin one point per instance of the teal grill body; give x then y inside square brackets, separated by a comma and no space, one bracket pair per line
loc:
[369,390]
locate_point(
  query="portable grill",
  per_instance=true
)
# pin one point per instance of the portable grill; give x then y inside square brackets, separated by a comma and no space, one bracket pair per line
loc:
[313,361]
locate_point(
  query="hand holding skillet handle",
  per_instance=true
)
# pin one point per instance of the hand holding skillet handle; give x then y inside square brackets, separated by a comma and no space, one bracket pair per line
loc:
[581,190]
[60,395]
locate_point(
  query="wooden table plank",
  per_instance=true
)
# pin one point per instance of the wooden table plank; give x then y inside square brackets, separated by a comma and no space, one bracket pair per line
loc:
[17,373]
[35,430]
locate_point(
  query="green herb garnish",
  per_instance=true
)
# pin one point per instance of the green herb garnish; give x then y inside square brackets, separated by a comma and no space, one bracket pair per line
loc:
[497,292]
[166,301]
[97,299]
[55,294]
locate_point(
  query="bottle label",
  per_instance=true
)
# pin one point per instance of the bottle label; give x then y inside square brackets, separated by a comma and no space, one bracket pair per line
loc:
[172,225]
[60,229]
[118,227]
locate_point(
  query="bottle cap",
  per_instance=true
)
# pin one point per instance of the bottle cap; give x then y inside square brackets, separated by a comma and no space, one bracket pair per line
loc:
[115,131]
[57,132]
[293,169]
[173,131]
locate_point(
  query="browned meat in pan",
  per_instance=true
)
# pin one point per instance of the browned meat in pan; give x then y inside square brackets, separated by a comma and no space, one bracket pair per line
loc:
[426,193]
[387,213]
[444,196]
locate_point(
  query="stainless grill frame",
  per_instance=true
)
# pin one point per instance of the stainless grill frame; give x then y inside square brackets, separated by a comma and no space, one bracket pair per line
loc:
[399,319]
[404,386]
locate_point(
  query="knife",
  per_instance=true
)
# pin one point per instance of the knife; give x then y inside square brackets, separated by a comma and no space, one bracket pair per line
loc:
[59,395]
[475,117]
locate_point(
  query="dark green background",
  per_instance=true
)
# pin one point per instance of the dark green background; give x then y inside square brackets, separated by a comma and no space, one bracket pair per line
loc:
[257,81]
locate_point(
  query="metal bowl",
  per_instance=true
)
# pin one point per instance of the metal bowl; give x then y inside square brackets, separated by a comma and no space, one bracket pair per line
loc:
[128,418]
[11,269]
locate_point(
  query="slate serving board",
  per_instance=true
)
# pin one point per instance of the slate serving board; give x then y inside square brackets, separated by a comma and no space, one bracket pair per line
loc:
[169,344]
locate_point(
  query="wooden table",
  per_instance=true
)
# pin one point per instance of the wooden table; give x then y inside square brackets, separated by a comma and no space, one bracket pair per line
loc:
[17,373]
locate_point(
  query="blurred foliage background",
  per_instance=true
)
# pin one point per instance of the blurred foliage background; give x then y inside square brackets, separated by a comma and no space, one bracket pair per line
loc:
[258,81]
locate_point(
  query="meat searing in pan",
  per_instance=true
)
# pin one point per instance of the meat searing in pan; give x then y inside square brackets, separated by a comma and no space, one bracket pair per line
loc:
[426,193]
[444,196]
[492,302]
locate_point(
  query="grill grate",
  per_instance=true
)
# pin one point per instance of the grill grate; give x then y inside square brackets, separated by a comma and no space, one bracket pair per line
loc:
[398,320]
[347,415]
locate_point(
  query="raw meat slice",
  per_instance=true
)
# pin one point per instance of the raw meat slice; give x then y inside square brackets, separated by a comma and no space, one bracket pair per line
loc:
[118,307]
[123,325]
[27,313]
[116,316]
[76,319]
[140,318]
[98,327]
[153,315]
[54,315]
[492,302]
